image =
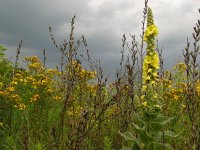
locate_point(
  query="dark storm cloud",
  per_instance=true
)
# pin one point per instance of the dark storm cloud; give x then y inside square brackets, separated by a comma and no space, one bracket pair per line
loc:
[101,21]
[29,20]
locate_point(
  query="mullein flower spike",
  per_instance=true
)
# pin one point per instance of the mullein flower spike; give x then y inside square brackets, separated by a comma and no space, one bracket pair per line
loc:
[151,60]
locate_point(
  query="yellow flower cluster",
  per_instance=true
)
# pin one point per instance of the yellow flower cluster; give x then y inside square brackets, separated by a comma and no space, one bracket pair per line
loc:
[150,67]
[20,106]
[198,87]
[34,63]
[112,112]
[144,104]
[166,83]
[34,98]
[74,111]
[92,89]
[37,82]
[57,98]
[10,93]
[151,31]
[53,72]
[180,66]
[151,60]
[176,92]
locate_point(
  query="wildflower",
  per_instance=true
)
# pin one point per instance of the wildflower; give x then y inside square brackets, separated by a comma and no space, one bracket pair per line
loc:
[1,93]
[151,60]
[142,145]
[14,83]
[183,106]
[1,85]
[176,97]
[34,98]
[151,30]
[49,90]
[16,97]
[44,82]
[35,66]
[1,124]
[157,106]
[52,71]
[21,106]
[144,87]
[180,66]
[198,87]
[144,104]
[57,98]
[11,89]
[18,75]
[155,96]
[91,75]
[142,97]
[32,59]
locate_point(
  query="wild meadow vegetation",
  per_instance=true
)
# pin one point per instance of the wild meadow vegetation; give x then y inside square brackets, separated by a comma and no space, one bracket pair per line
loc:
[75,106]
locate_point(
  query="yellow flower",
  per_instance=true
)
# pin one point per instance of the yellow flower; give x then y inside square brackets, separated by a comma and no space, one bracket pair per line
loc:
[157,106]
[176,97]
[183,106]
[14,83]
[198,87]
[45,81]
[144,88]
[155,96]
[16,97]
[142,97]
[1,93]
[35,66]
[11,89]
[155,61]
[151,30]
[49,90]
[21,106]
[57,98]
[34,98]
[1,85]
[180,66]
[18,75]
[142,145]
[144,104]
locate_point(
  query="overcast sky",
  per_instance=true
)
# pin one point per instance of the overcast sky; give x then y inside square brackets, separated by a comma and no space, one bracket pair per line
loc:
[102,22]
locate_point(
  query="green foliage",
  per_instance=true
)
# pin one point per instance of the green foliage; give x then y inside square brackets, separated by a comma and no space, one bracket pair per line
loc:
[107,143]
[39,146]
[2,49]
[149,134]
[5,67]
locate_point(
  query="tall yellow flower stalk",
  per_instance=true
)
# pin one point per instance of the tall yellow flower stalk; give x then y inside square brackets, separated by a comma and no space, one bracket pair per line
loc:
[151,60]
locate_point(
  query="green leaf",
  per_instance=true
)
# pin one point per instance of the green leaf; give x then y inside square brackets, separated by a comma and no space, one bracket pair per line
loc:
[159,146]
[2,48]
[170,134]
[128,136]
[39,146]
[166,120]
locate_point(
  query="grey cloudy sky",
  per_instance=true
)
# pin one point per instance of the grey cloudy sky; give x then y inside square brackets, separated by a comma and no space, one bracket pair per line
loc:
[102,22]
